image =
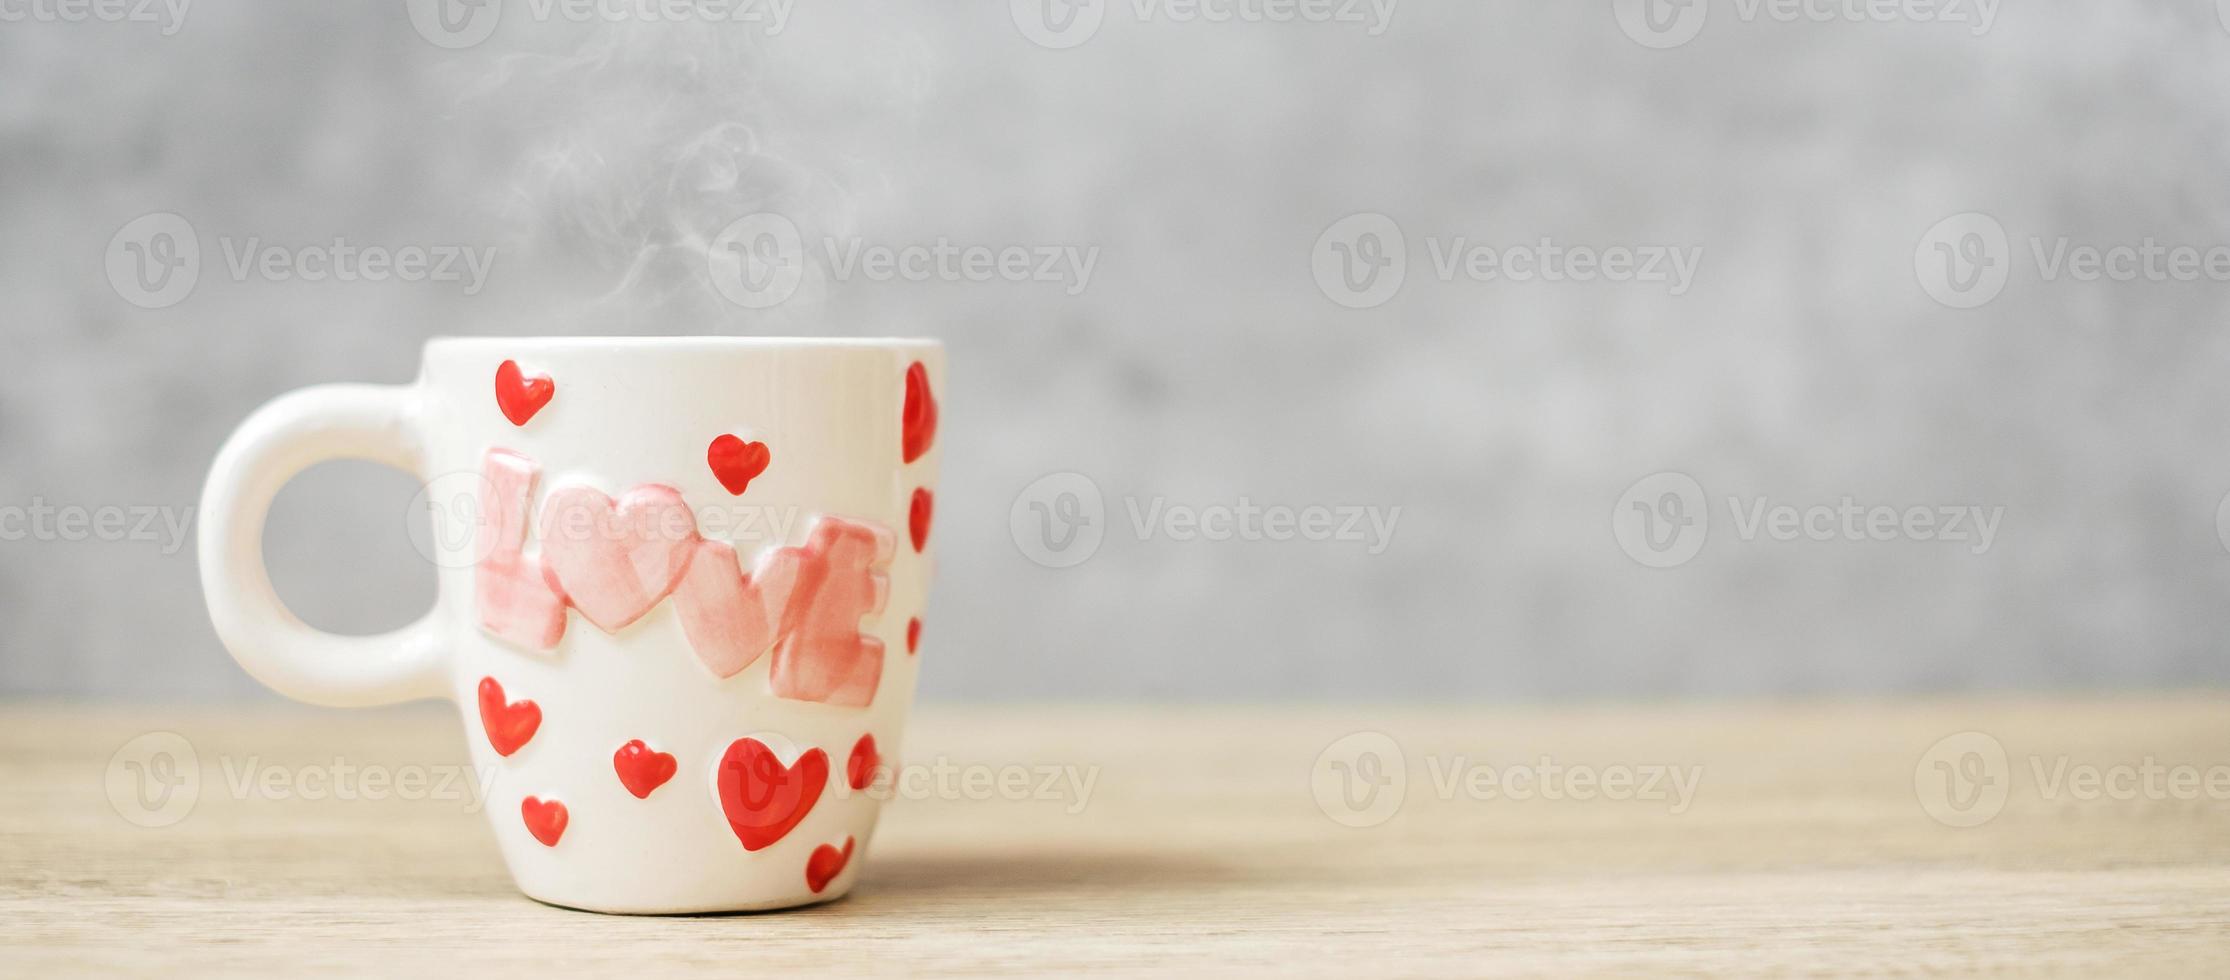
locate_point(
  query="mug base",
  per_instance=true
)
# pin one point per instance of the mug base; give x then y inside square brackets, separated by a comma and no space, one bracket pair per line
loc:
[777,904]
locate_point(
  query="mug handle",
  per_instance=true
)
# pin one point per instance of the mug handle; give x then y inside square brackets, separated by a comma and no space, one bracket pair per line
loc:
[281,439]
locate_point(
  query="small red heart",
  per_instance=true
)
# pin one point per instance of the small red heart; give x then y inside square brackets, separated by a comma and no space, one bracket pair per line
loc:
[826,863]
[520,396]
[508,725]
[545,820]
[641,769]
[913,634]
[917,521]
[918,425]
[737,462]
[859,770]
[763,798]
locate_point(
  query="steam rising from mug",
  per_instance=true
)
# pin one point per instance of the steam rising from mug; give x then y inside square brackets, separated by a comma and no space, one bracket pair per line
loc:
[639,141]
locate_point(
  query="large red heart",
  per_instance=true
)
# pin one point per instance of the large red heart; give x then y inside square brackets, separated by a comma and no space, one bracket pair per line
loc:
[826,863]
[520,396]
[918,425]
[859,770]
[544,819]
[641,768]
[614,561]
[736,462]
[917,517]
[763,798]
[509,724]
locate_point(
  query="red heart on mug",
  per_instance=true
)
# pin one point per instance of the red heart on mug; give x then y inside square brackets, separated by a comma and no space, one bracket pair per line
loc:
[544,819]
[826,863]
[913,634]
[509,725]
[642,769]
[859,770]
[917,517]
[762,798]
[521,396]
[918,424]
[736,462]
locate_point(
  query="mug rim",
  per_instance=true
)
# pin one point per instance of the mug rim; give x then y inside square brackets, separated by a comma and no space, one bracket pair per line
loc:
[682,342]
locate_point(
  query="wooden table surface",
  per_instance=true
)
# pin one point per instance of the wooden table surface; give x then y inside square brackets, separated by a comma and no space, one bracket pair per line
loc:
[1808,840]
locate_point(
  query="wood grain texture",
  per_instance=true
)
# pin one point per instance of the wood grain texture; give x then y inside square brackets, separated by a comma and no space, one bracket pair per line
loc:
[1200,848]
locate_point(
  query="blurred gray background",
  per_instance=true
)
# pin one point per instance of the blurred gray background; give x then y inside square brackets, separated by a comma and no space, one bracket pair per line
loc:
[1203,361]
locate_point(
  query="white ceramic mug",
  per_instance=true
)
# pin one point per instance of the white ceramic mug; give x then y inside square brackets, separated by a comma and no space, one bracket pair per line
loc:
[681,582]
